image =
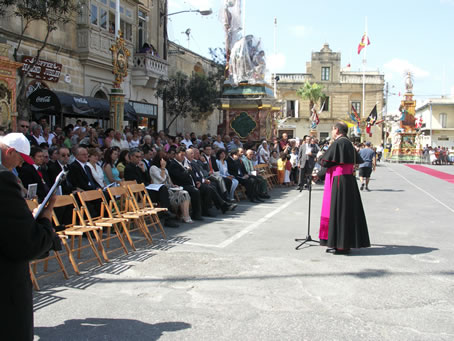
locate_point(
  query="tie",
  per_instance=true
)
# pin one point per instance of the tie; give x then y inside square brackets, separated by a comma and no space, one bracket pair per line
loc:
[209,162]
[91,180]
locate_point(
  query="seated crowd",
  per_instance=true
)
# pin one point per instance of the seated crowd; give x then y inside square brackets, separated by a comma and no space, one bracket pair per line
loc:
[191,176]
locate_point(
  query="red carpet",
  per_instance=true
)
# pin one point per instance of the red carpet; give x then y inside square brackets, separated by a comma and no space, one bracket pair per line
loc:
[441,175]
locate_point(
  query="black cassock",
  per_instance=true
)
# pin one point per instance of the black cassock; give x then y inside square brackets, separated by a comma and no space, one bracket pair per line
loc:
[343,223]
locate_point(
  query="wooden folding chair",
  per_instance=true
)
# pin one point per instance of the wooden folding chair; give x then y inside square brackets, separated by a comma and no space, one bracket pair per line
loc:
[262,171]
[122,206]
[32,204]
[126,183]
[143,204]
[96,197]
[73,230]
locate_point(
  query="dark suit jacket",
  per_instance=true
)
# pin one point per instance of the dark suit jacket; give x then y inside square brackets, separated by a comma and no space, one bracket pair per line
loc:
[236,168]
[29,175]
[22,239]
[214,164]
[53,171]
[78,178]
[133,172]
[180,175]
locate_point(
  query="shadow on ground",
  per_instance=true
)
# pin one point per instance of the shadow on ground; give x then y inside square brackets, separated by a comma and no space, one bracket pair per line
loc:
[387,250]
[108,329]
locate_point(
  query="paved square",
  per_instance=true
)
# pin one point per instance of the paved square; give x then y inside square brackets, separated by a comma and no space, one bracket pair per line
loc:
[240,278]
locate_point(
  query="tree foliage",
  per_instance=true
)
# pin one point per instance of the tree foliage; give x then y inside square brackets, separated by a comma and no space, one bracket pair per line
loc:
[51,13]
[195,96]
[312,92]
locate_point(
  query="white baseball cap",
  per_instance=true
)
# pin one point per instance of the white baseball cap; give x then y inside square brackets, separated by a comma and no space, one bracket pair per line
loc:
[17,141]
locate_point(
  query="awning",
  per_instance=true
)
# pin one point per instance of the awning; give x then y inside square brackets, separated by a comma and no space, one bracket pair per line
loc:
[57,102]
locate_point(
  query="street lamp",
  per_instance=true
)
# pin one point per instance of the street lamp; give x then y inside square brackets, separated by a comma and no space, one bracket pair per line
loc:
[205,12]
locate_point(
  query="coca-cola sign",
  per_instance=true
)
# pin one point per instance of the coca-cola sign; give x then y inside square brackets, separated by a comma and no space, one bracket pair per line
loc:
[42,99]
[42,69]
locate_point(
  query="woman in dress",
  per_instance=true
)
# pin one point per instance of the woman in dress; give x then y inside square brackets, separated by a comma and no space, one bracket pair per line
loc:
[179,198]
[96,170]
[111,173]
[281,168]
[223,170]
[123,159]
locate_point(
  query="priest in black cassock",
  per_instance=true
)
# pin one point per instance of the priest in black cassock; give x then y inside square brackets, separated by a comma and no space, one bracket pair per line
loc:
[342,223]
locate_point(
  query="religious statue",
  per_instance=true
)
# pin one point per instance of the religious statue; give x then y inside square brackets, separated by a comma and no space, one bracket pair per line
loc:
[409,82]
[120,55]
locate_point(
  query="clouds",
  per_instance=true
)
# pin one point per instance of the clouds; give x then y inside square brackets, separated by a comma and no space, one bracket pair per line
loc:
[401,66]
[178,5]
[276,62]
[299,30]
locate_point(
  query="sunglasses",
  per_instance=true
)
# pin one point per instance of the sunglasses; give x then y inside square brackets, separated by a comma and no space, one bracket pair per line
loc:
[62,155]
[25,126]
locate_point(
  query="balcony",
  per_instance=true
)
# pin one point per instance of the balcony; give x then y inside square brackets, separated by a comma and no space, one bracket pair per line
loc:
[353,77]
[294,77]
[148,69]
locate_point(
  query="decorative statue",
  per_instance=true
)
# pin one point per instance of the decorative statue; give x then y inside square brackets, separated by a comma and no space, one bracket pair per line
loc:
[409,82]
[232,22]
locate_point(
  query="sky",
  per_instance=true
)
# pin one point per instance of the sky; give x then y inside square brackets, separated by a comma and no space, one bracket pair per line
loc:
[404,35]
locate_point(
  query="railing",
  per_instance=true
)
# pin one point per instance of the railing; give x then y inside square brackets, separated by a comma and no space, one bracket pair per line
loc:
[151,65]
[294,77]
[357,77]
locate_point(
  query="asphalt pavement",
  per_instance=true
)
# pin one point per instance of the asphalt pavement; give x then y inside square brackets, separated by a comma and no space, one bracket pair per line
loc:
[239,277]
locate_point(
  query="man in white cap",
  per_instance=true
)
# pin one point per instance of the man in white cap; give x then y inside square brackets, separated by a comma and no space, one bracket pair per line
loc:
[22,239]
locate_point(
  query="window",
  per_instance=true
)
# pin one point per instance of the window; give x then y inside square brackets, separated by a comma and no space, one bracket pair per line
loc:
[142,28]
[325,103]
[94,14]
[323,136]
[290,112]
[126,28]
[443,120]
[325,73]
[357,106]
[103,18]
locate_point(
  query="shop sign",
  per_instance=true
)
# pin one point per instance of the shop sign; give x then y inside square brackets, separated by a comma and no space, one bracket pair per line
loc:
[145,109]
[43,69]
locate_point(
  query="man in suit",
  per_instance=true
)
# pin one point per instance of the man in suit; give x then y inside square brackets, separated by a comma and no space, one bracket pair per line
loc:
[22,239]
[207,188]
[80,175]
[182,176]
[135,170]
[60,165]
[31,173]
[211,171]
[306,161]
[236,168]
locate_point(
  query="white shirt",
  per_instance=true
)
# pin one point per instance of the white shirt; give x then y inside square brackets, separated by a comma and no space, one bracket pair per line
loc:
[187,143]
[97,173]
[122,144]
[219,144]
[39,139]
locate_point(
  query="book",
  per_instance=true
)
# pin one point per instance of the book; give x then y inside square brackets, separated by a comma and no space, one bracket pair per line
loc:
[31,191]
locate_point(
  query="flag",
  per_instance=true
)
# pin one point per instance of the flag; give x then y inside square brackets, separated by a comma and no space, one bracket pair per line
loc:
[349,124]
[364,41]
[368,125]
[355,113]
[372,118]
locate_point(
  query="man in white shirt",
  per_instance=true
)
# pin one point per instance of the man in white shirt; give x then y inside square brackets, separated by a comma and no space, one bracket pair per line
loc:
[218,143]
[187,140]
[119,142]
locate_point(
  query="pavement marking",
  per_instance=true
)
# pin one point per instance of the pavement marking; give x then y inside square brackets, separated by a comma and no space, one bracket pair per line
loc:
[236,220]
[416,186]
[253,226]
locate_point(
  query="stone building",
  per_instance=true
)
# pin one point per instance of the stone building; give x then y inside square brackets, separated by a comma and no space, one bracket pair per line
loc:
[343,89]
[79,58]
[189,62]
[438,122]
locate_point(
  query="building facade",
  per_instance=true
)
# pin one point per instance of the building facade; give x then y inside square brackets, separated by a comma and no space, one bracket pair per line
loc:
[186,61]
[438,122]
[78,55]
[343,89]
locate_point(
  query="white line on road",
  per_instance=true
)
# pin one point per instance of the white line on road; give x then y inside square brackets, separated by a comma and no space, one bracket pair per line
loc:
[416,186]
[253,226]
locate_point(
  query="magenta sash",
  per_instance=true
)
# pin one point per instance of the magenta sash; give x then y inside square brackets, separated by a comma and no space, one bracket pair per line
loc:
[346,169]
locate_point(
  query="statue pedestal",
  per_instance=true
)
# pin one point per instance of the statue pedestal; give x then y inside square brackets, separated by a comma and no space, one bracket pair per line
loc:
[117,109]
[248,111]
[406,148]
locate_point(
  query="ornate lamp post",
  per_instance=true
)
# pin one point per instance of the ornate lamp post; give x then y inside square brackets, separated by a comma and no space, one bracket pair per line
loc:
[120,55]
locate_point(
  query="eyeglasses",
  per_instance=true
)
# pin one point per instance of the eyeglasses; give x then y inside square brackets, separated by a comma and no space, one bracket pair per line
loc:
[25,126]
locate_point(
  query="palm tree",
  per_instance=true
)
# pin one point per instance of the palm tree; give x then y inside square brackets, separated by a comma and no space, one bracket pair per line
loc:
[312,92]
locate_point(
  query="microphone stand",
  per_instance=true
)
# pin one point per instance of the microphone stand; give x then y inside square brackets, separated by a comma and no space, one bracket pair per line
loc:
[308,236]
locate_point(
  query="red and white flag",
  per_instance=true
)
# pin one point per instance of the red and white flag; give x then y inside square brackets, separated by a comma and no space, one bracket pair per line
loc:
[364,41]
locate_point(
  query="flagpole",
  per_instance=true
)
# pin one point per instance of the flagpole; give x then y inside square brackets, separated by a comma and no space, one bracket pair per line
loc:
[364,70]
